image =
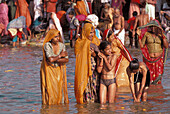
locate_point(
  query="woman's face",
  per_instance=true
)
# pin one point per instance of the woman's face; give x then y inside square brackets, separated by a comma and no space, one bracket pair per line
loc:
[107,50]
[56,39]
[153,28]
[91,34]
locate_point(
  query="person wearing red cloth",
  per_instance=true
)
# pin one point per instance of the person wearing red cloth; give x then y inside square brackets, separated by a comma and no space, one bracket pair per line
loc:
[131,23]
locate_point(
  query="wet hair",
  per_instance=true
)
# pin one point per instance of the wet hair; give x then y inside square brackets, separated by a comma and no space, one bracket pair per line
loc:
[109,33]
[134,64]
[103,45]
[135,13]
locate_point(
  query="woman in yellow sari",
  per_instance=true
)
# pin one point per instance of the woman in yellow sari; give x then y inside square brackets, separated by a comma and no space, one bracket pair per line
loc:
[85,77]
[53,70]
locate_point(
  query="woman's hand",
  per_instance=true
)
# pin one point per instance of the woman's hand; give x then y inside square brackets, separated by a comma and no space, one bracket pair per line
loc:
[101,55]
[93,52]
[63,53]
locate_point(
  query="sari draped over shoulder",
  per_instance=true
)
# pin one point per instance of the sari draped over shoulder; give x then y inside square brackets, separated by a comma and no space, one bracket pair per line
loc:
[83,61]
[122,63]
[155,65]
[4,17]
[80,8]
[53,79]
[22,10]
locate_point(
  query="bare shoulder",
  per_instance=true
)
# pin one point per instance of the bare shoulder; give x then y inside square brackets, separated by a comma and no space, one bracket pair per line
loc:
[143,65]
[114,56]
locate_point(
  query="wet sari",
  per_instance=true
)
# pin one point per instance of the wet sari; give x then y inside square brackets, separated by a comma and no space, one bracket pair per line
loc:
[155,65]
[53,78]
[122,63]
[83,68]
[22,10]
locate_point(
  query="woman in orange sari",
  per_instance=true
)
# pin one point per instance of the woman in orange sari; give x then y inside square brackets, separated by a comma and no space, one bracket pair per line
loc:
[22,10]
[123,59]
[53,70]
[85,77]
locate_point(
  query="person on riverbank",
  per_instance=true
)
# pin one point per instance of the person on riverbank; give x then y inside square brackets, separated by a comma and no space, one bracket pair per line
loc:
[85,75]
[74,28]
[106,66]
[140,84]
[53,70]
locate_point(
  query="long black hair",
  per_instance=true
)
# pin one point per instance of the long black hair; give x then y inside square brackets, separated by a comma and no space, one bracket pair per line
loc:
[134,64]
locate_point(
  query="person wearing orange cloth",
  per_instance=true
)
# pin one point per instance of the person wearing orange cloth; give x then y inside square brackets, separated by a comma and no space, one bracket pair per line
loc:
[85,74]
[80,8]
[53,70]
[123,59]
[22,10]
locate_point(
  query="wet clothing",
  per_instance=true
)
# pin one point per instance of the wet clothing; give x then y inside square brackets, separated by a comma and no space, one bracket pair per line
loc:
[107,82]
[49,51]
[138,78]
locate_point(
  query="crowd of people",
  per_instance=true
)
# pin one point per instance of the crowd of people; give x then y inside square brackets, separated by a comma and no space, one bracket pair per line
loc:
[97,34]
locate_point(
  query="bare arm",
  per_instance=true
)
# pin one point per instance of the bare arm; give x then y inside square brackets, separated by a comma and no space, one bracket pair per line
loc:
[142,42]
[59,57]
[144,70]
[131,81]
[99,64]
[111,65]
[101,16]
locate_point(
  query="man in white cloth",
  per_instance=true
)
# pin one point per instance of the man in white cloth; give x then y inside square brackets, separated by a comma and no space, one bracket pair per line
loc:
[150,8]
[118,25]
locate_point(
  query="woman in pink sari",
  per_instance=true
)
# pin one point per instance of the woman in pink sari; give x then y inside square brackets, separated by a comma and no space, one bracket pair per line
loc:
[153,43]
[4,16]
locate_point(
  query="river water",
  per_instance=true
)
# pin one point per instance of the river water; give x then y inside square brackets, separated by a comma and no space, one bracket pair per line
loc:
[20,87]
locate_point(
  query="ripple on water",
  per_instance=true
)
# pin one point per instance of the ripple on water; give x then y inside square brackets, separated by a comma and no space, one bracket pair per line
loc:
[20,88]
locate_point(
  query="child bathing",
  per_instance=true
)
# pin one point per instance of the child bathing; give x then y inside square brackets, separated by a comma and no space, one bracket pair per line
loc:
[106,66]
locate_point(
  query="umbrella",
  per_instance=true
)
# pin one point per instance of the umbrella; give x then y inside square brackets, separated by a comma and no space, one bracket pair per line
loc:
[17,23]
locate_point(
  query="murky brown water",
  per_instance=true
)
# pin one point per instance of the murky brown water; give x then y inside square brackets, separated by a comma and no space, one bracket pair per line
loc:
[20,87]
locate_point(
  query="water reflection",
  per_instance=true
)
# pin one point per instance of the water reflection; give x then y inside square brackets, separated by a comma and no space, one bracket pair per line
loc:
[20,87]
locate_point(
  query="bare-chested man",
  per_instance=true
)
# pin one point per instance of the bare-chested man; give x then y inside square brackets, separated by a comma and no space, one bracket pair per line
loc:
[118,25]
[141,20]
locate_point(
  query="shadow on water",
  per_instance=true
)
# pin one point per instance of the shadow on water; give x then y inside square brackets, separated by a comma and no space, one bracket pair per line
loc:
[20,87]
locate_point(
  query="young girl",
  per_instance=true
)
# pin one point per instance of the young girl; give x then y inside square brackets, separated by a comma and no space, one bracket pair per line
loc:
[106,66]
[141,82]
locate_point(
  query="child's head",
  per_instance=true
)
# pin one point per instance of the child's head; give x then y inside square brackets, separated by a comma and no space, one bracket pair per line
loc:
[71,14]
[105,48]
[134,65]
[135,13]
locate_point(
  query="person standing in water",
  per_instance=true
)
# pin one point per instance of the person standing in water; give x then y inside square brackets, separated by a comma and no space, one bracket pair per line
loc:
[53,70]
[140,85]
[106,63]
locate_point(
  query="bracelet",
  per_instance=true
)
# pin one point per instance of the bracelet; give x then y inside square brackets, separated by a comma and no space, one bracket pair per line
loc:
[163,37]
[100,65]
